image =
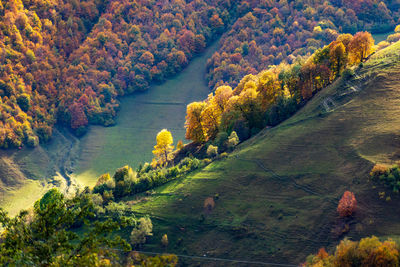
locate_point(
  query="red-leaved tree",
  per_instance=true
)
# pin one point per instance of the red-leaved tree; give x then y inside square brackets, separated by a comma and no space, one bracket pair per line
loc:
[347,204]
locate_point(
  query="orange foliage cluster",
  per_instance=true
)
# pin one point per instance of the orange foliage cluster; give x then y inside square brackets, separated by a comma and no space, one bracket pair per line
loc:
[367,252]
[271,32]
[378,170]
[347,204]
[35,37]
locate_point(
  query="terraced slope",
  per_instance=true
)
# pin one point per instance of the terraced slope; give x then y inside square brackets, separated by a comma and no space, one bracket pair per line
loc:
[276,196]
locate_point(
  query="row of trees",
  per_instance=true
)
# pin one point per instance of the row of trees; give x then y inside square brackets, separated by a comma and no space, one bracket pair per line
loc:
[127,182]
[273,94]
[274,32]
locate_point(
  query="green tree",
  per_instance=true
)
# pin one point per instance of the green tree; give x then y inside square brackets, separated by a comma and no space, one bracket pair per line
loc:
[142,231]
[47,238]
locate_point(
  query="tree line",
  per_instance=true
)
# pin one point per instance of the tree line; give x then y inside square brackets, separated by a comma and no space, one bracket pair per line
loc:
[274,94]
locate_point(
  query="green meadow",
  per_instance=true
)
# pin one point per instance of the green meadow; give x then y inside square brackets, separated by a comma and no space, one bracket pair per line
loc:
[142,116]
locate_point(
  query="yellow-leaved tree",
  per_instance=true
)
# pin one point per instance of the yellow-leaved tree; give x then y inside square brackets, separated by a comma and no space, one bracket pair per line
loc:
[268,88]
[211,115]
[194,128]
[164,146]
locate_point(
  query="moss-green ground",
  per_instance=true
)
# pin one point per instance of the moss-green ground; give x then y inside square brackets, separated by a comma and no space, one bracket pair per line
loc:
[276,196]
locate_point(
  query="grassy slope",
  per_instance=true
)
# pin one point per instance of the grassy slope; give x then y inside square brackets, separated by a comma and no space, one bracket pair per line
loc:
[25,175]
[279,191]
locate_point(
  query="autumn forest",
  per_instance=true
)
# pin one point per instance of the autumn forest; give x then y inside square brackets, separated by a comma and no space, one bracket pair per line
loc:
[67,62]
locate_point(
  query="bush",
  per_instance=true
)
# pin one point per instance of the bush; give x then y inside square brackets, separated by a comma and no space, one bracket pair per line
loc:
[221,139]
[32,141]
[212,151]
[233,140]
[378,170]
[122,173]
[389,176]
[164,240]
[142,231]
[347,74]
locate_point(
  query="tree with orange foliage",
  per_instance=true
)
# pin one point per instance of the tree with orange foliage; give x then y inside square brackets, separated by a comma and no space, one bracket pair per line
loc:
[337,54]
[194,128]
[360,47]
[347,204]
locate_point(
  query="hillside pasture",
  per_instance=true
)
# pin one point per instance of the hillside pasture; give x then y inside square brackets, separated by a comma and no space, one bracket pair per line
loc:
[276,195]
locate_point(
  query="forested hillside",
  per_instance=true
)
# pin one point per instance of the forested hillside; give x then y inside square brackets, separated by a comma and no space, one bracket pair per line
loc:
[273,31]
[67,61]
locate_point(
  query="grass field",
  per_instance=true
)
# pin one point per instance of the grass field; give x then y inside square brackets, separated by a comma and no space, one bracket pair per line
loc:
[25,175]
[379,37]
[141,117]
[276,196]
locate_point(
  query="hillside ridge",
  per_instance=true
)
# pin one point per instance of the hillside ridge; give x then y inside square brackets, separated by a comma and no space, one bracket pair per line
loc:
[286,212]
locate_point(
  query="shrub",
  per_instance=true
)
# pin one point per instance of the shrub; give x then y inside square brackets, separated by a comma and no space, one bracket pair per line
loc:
[103,179]
[347,204]
[164,240]
[122,173]
[378,170]
[347,74]
[233,140]
[32,141]
[209,204]
[212,151]
[142,231]
[221,139]
[389,176]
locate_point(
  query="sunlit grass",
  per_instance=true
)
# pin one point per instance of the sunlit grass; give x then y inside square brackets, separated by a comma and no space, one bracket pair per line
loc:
[25,196]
